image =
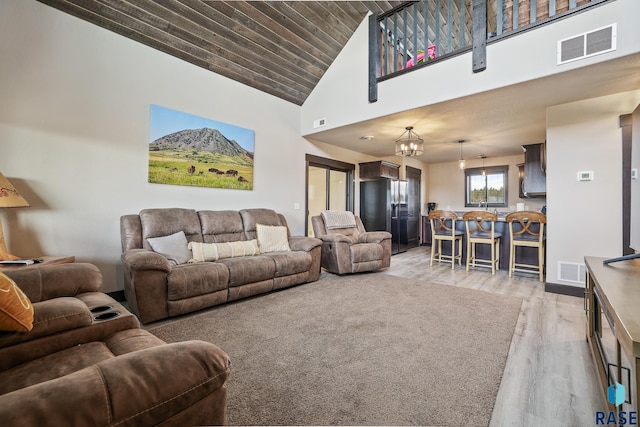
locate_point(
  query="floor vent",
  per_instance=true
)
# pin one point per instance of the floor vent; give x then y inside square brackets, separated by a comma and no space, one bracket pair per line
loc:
[571,272]
[588,44]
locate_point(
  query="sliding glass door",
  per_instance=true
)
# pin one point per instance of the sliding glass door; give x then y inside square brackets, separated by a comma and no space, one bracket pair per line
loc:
[329,186]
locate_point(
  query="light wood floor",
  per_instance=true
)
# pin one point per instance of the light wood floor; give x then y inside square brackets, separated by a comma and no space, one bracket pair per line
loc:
[549,379]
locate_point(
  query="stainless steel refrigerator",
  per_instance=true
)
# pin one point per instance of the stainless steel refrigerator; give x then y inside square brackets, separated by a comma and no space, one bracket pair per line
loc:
[383,207]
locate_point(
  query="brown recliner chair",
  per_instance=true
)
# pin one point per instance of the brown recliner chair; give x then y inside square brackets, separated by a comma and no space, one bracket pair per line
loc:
[347,247]
[86,361]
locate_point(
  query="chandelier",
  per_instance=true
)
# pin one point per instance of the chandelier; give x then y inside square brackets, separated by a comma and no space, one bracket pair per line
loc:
[409,144]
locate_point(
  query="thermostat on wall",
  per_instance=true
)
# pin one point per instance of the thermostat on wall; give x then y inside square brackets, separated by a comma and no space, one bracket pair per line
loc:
[585,176]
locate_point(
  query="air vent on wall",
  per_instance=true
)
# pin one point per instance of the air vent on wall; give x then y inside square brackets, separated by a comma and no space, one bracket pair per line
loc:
[588,44]
[571,272]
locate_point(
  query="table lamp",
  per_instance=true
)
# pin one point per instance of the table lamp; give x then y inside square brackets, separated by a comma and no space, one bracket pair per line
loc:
[9,198]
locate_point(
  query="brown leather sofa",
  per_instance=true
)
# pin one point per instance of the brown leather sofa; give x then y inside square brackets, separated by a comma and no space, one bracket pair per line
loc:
[87,362]
[352,249]
[157,287]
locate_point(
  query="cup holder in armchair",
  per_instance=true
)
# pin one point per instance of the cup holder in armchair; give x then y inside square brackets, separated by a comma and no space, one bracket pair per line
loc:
[106,316]
[101,308]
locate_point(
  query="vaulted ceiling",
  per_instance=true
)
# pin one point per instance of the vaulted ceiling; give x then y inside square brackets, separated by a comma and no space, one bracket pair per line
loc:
[279,47]
[284,47]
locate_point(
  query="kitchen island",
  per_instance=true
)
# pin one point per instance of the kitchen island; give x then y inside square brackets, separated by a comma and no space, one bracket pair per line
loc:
[524,255]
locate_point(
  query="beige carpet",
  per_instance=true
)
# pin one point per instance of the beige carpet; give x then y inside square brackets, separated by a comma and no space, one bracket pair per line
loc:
[368,349]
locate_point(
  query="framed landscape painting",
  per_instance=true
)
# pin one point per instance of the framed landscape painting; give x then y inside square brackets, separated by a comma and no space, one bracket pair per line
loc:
[189,150]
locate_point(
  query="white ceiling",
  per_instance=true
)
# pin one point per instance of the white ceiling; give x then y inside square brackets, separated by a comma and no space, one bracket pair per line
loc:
[494,123]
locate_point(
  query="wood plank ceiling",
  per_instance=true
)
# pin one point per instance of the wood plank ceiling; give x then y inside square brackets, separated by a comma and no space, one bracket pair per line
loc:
[279,47]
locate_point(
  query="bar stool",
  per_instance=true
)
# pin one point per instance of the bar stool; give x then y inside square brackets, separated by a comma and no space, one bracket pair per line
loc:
[440,232]
[528,232]
[480,227]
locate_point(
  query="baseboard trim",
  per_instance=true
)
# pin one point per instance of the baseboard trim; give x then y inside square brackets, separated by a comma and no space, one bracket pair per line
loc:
[117,295]
[573,291]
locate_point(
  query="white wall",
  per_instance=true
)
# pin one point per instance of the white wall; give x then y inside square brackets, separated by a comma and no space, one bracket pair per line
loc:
[342,94]
[585,218]
[74,114]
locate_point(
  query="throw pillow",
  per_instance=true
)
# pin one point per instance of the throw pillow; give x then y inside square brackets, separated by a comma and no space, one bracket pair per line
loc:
[16,311]
[215,251]
[272,238]
[174,247]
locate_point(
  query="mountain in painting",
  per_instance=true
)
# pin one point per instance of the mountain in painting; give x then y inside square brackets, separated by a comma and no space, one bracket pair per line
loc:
[205,139]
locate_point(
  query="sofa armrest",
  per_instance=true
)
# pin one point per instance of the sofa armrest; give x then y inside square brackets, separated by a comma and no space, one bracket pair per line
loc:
[301,243]
[143,259]
[45,282]
[137,388]
[373,236]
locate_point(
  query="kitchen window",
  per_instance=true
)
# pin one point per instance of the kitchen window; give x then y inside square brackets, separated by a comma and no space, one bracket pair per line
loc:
[486,187]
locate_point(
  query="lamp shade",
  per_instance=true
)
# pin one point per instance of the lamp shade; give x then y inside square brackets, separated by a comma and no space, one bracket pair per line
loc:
[9,196]
[409,144]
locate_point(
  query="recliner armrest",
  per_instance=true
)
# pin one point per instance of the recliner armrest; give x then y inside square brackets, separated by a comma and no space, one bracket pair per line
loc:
[45,282]
[301,243]
[143,259]
[373,236]
[335,238]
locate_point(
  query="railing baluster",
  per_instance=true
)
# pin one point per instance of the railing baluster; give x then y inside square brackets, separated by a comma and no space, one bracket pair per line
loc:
[426,29]
[395,42]
[532,11]
[415,35]
[500,17]
[552,7]
[404,37]
[462,23]
[516,14]
[437,29]
[449,26]
[572,4]
[386,46]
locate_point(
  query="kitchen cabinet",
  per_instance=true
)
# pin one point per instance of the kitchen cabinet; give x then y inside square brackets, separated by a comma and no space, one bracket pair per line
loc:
[379,169]
[535,175]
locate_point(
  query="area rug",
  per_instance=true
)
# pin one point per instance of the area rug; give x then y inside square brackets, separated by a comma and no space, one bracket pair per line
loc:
[367,349]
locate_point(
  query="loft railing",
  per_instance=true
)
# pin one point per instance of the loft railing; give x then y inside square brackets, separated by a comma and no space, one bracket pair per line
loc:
[417,33]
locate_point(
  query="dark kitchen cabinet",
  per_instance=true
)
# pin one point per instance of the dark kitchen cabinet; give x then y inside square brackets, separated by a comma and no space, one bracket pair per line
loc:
[379,169]
[535,175]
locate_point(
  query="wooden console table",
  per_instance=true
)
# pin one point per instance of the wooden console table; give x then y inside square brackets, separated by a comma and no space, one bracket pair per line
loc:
[46,260]
[613,325]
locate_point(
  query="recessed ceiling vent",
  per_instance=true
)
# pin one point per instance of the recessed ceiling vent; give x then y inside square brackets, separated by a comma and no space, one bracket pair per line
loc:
[571,272]
[587,44]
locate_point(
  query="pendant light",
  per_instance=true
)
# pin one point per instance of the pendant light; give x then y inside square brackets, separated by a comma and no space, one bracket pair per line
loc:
[482,156]
[461,163]
[409,144]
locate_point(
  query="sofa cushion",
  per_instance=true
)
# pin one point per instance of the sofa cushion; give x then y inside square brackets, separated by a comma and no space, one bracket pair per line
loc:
[173,246]
[249,269]
[53,366]
[252,217]
[292,262]
[16,311]
[167,221]
[221,226]
[365,252]
[215,251]
[272,238]
[191,280]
